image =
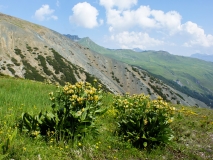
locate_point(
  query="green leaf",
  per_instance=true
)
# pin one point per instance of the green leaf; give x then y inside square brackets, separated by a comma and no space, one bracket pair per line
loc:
[145,144]
[132,121]
[101,111]
[83,116]
[77,114]
[144,136]
[13,135]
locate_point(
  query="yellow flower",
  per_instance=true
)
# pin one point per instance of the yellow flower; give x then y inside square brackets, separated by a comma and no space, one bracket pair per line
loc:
[70,91]
[79,99]
[95,98]
[170,120]
[126,106]
[173,108]
[145,121]
[74,96]
[91,92]
[79,144]
[65,88]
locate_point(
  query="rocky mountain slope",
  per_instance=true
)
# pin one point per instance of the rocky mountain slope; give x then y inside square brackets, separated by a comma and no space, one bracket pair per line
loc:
[34,52]
[189,75]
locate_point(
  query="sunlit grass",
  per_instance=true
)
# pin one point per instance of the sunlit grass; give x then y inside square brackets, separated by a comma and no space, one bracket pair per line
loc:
[192,127]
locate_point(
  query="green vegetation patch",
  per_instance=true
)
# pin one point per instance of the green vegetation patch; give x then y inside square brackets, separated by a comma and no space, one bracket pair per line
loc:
[31,72]
[15,61]
[29,49]
[44,65]
[18,52]
[60,65]
[192,127]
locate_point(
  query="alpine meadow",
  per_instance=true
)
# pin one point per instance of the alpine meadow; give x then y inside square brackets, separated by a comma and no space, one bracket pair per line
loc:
[63,97]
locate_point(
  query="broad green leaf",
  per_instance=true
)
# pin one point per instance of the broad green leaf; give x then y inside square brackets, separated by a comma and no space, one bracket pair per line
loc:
[145,144]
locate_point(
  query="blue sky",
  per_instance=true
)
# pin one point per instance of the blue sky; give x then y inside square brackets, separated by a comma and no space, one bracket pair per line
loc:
[180,27]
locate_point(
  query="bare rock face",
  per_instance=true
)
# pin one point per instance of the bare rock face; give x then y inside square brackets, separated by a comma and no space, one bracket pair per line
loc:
[31,51]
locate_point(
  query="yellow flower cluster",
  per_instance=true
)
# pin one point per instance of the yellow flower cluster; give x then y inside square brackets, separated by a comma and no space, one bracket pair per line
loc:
[142,103]
[187,112]
[80,93]
[35,133]
[138,115]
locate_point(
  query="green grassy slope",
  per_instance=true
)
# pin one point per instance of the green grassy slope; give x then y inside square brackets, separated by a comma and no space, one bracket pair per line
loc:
[193,128]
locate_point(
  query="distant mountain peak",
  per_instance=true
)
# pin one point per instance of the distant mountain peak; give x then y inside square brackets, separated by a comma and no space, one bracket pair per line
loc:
[72,37]
[137,50]
[204,57]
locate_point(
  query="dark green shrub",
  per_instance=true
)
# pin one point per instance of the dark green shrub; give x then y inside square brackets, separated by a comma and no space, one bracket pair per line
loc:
[31,72]
[18,52]
[143,122]
[44,65]
[74,111]
[11,70]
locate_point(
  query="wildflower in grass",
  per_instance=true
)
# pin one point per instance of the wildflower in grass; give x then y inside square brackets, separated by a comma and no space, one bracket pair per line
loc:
[138,116]
[51,140]
[65,88]
[96,98]
[145,121]
[79,144]
[170,120]
[24,148]
[51,93]
[80,104]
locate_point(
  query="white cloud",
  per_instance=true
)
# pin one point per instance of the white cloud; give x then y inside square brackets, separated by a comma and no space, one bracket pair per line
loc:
[129,40]
[45,13]
[198,36]
[143,17]
[85,15]
[131,28]
[120,4]
[170,20]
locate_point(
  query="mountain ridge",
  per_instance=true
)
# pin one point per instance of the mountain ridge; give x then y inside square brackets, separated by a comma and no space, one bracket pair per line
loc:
[204,57]
[35,52]
[194,74]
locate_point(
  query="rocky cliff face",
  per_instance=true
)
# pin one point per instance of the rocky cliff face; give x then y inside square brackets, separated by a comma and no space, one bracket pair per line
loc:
[35,52]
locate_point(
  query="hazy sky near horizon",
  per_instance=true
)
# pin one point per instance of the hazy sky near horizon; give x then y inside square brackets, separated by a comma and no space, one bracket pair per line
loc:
[180,27]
